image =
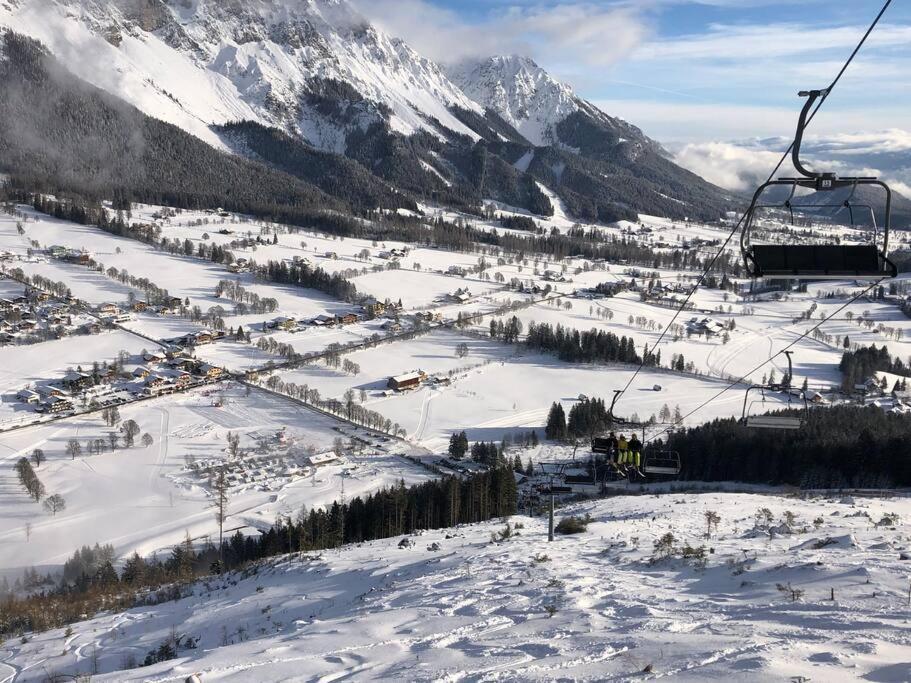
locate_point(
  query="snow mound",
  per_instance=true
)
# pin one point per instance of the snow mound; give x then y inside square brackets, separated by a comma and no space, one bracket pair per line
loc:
[840,542]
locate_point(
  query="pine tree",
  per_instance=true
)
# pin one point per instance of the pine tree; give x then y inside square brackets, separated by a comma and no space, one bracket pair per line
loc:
[555,429]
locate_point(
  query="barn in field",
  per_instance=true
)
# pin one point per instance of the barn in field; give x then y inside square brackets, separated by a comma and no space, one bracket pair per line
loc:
[410,380]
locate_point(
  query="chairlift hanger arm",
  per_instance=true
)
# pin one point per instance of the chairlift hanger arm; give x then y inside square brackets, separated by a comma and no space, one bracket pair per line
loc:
[812,96]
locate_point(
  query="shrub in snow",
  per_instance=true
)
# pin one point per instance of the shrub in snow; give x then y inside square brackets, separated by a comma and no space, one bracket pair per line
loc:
[573,524]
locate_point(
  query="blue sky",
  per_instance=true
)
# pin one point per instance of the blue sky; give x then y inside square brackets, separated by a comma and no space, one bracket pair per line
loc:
[687,71]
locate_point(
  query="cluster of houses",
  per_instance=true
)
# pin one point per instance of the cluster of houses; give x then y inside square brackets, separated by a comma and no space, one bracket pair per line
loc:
[293,324]
[240,265]
[37,316]
[122,313]
[157,374]
[461,296]
[194,339]
[78,256]
[392,254]
[554,276]
[370,308]
[706,326]
[671,295]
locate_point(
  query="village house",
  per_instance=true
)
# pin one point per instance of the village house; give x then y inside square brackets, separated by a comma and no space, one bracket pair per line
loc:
[323,320]
[322,458]
[210,371]
[410,380]
[283,323]
[155,384]
[108,309]
[77,381]
[48,391]
[348,318]
[57,404]
[28,396]
[460,296]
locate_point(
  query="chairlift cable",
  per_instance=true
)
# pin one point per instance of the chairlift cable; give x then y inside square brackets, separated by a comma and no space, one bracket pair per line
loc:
[739,223]
[769,359]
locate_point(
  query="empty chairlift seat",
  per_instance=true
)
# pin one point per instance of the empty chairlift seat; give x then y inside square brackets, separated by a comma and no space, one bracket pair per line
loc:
[775,422]
[819,261]
[661,464]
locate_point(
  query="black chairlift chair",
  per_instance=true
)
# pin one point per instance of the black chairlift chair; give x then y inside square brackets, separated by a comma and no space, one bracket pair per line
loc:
[822,261]
[785,422]
[661,464]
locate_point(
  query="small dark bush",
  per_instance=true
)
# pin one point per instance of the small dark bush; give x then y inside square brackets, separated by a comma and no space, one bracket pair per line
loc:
[573,525]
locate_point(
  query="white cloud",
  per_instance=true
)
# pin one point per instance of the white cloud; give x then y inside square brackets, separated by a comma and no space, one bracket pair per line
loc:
[744,165]
[729,166]
[579,33]
[688,121]
[766,41]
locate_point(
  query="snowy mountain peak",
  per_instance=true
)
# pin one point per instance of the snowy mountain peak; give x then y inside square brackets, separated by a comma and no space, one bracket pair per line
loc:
[195,63]
[520,91]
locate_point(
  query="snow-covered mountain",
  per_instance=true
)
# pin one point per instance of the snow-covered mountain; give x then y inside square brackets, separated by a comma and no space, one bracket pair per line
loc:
[240,75]
[312,67]
[533,101]
[520,91]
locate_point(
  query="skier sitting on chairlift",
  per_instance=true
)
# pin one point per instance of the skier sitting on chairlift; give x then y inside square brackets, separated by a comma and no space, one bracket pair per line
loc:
[612,447]
[635,451]
[623,450]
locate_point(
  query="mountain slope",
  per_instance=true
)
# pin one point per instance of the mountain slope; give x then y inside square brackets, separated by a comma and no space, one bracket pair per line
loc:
[59,133]
[601,166]
[601,605]
[315,74]
[270,61]
[543,109]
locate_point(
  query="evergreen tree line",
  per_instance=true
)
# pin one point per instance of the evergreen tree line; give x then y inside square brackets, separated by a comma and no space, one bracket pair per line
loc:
[91,582]
[519,223]
[587,418]
[591,346]
[304,275]
[858,365]
[841,446]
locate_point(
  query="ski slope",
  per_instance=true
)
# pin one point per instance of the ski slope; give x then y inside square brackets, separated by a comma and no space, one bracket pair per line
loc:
[596,606]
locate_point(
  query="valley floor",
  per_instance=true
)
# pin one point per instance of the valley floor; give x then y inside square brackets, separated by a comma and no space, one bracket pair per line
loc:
[593,606]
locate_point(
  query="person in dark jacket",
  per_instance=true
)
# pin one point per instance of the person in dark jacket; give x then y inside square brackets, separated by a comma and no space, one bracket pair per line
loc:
[635,451]
[612,447]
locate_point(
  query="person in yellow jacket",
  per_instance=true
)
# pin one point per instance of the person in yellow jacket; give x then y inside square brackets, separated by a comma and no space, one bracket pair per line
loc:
[623,449]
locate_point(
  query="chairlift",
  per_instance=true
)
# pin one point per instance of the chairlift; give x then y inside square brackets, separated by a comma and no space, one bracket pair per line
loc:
[783,422]
[817,261]
[661,464]
[617,423]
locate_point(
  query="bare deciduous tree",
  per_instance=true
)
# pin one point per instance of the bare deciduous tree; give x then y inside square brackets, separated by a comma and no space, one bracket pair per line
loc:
[54,504]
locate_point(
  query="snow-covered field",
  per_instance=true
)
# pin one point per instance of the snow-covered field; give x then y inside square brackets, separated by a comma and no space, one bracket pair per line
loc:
[594,606]
[494,391]
[22,366]
[144,499]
